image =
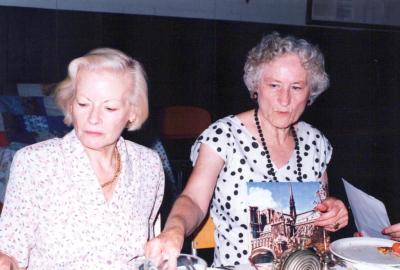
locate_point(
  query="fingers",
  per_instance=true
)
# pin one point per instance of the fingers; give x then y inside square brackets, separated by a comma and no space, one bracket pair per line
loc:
[395,236]
[393,231]
[164,249]
[358,234]
[334,215]
[321,207]
[334,226]
[153,249]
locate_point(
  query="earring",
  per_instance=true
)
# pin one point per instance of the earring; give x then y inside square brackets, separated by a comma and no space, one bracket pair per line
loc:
[254,96]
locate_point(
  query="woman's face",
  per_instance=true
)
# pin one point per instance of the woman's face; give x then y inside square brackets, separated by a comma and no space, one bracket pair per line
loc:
[283,91]
[101,107]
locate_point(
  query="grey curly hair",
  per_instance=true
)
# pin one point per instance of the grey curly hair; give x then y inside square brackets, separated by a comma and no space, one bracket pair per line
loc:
[273,46]
[106,59]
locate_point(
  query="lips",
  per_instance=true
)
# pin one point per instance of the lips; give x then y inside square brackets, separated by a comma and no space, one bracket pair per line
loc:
[282,111]
[95,133]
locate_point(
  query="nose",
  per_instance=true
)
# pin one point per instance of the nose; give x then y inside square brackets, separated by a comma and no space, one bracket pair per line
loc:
[94,116]
[284,97]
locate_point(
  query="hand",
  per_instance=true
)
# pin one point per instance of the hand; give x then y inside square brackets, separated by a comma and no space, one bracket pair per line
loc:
[393,231]
[165,248]
[334,215]
[8,263]
[358,234]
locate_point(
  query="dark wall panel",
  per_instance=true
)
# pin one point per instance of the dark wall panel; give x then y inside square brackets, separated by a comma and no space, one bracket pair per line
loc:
[31,45]
[76,34]
[4,47]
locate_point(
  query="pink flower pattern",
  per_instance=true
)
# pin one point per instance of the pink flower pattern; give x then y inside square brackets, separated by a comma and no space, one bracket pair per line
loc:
[55,215]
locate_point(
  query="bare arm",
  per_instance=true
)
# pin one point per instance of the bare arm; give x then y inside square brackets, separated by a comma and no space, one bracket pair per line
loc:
[190,208]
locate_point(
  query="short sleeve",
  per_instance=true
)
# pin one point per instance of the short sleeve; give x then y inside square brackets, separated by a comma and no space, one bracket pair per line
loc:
[217,136]
[323,153]
[18,222]
[315,150]
[328,150]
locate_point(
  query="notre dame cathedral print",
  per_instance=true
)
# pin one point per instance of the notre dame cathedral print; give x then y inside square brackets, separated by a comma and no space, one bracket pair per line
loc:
[280,214]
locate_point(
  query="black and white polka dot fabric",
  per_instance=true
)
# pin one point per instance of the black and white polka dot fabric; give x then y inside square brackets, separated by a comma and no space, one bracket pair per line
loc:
[245,160]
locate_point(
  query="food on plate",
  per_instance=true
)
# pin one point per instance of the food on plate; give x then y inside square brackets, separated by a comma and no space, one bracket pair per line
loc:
[384,250]
[395,249]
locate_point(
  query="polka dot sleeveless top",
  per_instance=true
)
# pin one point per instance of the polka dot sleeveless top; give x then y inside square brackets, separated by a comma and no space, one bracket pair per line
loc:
[245,161]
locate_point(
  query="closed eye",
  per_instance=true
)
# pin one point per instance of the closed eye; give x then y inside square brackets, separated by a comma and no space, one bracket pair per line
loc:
[111,109]
[81,104]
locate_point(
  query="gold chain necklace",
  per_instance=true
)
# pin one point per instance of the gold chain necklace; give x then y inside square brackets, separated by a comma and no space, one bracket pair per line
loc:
[117,171]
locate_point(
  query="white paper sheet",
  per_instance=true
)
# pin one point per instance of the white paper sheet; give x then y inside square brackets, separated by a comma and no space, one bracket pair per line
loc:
[369,213]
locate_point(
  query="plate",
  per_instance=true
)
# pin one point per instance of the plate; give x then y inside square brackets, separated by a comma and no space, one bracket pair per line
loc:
[364,250]
[236,267]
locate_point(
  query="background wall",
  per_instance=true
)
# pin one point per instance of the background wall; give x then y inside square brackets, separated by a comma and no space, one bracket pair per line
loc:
[282,11]
[199,62]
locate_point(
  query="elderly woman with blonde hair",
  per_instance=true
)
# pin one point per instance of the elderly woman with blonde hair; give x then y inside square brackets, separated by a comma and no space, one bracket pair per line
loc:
[87,200]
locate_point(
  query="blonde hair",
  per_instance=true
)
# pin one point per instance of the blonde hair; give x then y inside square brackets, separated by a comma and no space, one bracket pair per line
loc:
[110,60]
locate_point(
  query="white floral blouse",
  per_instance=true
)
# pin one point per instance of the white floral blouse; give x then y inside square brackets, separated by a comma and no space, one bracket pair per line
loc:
[55,215]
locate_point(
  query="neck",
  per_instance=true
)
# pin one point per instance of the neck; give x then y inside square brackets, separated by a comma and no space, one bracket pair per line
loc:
[284,136]
[276,136]
[104,157]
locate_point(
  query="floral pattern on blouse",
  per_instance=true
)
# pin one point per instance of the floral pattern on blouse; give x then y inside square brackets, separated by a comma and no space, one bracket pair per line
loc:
[55,215]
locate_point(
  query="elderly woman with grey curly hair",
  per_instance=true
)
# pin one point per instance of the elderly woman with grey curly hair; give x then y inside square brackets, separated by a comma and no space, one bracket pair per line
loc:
[87,200]
[263,145]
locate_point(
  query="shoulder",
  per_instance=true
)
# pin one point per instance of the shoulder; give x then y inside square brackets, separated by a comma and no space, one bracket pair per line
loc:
[307,131]
[44,148]
[217,136]
[220,131]
[222,125]
[38,159]
[142,151]
[225,122]
[314,143]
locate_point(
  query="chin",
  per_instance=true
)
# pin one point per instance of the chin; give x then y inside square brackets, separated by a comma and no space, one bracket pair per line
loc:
[92,143]
[281,125]
[93,146]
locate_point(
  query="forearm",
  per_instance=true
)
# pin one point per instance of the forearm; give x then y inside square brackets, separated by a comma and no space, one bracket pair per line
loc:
[185,216]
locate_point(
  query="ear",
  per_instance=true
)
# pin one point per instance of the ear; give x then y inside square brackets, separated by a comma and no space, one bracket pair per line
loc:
[310,100]
[132,114]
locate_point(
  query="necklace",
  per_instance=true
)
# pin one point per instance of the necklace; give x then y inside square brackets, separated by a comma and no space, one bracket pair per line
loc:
[117,170]
[270,168]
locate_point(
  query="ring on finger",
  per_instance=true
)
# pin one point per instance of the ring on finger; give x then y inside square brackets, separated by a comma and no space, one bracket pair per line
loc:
[336,226]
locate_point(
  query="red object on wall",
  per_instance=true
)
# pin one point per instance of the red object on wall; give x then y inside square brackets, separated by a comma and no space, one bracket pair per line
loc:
[3,139]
